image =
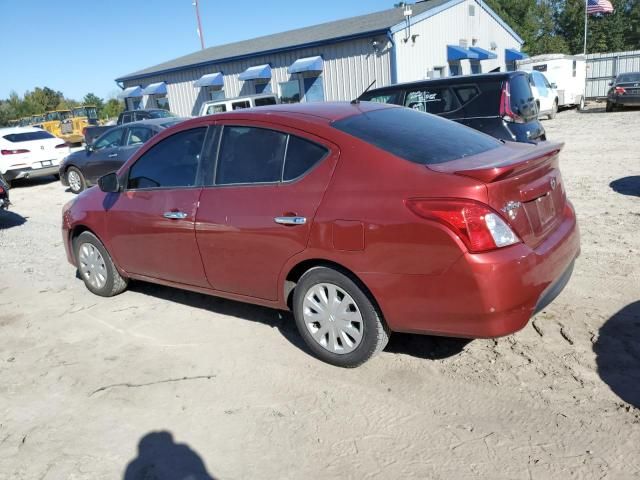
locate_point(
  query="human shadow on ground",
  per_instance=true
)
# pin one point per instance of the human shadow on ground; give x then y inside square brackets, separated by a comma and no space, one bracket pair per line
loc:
[10,219]
[627,185]
[160,458]
[618,353]
[420,346]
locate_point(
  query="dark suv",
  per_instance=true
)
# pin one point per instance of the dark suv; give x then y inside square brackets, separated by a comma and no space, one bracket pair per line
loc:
[499,104]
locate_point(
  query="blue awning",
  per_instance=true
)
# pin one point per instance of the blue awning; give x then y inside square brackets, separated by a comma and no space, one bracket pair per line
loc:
[455,53]
[159,88]
[253,73]
[511,55]
[130,92]
[483,54]
[309,64]
[210,80]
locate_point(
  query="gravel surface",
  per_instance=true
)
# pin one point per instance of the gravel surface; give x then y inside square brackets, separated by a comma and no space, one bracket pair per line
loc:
[158,378]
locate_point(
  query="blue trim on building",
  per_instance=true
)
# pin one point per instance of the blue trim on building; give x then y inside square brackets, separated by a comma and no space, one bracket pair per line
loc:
[130,92]
[483,54]
[210,80]
[255,73]
[159,88]
[511,55]
[308,64]
[455,53]
[393,61]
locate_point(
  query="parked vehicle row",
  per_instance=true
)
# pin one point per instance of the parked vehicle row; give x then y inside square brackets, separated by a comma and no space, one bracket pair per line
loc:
[624,91]
[363,219]
[29,152]
[93,132]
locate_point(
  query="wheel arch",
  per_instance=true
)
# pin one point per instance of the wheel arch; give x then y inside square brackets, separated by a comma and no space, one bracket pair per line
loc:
[78,230]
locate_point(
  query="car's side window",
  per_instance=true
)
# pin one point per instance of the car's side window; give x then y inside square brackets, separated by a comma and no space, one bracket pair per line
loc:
[466,93]
[126,117]
[138,135]
[431,100]
[171,163]
[302,156]
[111,139]
[250,155]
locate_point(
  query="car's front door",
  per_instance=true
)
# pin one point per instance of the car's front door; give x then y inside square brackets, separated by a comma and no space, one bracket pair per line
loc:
[104,152]
[151,223]
[258,211]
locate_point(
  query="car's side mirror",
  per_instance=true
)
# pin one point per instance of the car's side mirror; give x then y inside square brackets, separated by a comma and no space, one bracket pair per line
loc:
[88,147]
[109,183]
[554,85]
[611,84]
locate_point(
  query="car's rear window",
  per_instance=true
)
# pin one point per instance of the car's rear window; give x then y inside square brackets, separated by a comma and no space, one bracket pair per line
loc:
[415,136]
[27,136]
[160,114]
[629,77]
[520,91]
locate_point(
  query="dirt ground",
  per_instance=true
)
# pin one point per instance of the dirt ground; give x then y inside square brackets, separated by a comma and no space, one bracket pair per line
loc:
[158,379]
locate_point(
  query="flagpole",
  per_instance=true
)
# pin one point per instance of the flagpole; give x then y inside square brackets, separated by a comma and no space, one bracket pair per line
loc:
[586,7]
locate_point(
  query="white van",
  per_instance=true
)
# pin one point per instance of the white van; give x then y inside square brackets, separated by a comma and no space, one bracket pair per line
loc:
[229,104]
[566,73]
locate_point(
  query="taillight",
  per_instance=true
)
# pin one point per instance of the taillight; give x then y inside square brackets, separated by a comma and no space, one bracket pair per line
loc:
[477,225]
[620,90]
[84,132]
[506,111]
[62,145]
[14,152]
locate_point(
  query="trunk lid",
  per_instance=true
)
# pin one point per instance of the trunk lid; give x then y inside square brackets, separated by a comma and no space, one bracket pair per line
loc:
[523,184]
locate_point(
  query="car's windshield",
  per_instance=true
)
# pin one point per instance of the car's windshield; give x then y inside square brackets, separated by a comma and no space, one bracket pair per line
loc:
[160,114]
[415,136]
[27,136]
[628,77]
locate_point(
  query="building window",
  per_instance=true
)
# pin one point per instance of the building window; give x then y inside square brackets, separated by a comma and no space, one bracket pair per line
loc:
[574,68]
[134,103]
[216,93]
[472,10]
[454,69]
[475,67]
[262,86]
[162,102]
[313,89]
[290,91]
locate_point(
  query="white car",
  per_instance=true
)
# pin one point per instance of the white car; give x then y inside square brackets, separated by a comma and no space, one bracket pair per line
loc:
[28,152]
[545,94]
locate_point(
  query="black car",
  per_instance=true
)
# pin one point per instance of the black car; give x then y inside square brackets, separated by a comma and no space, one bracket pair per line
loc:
[83,168]
[500,104]
[624,91]
[92,132]
[4,194]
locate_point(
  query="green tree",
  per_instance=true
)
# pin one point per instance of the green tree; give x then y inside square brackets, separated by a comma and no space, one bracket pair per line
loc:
[112,108]
[43,99]
[92,99]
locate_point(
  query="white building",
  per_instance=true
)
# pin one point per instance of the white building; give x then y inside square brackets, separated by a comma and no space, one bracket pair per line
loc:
[335,60]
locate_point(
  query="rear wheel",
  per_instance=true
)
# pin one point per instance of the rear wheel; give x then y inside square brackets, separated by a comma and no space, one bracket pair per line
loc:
[96,268]
[336,319]
[76,180]
[554,110]
[581,104]
[610,106]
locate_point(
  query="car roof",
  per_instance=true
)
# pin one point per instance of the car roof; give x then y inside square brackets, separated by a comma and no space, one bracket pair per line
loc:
[10,130]
[157,122]
[328,111]
[458,79]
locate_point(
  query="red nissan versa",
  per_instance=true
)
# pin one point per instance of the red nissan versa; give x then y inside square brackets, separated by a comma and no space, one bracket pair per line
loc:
[362,219]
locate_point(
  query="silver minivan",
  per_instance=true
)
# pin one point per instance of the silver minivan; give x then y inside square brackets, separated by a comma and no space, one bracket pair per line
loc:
[229,104]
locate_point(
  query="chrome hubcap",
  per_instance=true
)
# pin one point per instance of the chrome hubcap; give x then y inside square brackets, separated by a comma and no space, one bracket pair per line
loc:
[74,180]
[332,318]
[92,266]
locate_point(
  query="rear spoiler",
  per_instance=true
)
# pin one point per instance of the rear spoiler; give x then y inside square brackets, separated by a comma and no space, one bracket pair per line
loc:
[494,165]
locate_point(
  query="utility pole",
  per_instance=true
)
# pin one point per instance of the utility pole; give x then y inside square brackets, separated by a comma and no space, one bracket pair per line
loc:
[586,19]
[200,34]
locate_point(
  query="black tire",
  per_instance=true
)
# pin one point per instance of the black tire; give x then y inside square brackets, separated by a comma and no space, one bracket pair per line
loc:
[115,283]
[554,110]
[610,107]
[375,333]
[83,182]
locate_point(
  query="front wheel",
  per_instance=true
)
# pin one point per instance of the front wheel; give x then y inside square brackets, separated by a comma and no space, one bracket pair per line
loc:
[76,180]
[336,319]
[96,268]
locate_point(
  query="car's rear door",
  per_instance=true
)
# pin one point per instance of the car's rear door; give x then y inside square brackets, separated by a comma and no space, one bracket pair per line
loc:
[258,211]
[151,224]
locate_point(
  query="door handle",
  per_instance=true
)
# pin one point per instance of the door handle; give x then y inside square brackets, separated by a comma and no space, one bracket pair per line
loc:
[175,215]
[290,220]
[113,155]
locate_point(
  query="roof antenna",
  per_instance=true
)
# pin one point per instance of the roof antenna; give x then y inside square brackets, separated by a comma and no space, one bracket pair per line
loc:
[355,101]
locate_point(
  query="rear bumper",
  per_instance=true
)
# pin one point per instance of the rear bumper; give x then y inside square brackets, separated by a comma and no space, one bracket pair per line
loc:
[28,172]
[626,100]
[481,295]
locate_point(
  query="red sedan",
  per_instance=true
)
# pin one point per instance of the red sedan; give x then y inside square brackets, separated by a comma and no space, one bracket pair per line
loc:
[363,219]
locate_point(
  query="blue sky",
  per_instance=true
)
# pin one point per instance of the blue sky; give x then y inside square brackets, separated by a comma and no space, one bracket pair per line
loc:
[80,46]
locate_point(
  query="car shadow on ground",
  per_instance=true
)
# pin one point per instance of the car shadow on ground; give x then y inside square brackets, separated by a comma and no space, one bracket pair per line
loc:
[31,182]
[627,185]
[10,219]
[617,352]
[603,110]
[419,346]
[160,458]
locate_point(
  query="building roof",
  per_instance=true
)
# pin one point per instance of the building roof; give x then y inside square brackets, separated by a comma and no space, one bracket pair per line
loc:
[362,25]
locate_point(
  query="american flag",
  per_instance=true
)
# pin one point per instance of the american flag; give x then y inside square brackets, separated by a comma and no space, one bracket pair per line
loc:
[599,6]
